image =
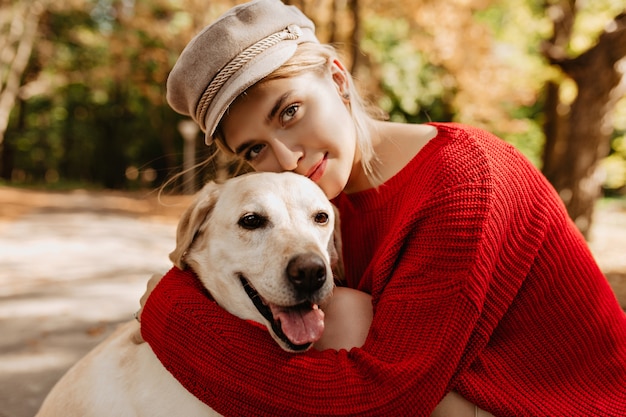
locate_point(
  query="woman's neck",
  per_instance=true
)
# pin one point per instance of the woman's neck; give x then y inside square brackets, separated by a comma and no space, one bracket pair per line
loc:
[396,144]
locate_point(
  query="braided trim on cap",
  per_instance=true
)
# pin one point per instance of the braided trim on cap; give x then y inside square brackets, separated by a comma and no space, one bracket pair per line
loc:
[291,32]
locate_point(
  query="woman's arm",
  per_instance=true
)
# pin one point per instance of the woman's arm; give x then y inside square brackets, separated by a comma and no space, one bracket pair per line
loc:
[237,368]
[348,317]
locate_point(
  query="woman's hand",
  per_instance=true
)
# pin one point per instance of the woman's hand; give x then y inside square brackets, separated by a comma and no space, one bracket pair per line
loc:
[152,282]
[347,319]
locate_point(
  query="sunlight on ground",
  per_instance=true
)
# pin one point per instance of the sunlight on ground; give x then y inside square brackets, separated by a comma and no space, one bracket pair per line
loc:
[67,279]
[19,363]
[607,239]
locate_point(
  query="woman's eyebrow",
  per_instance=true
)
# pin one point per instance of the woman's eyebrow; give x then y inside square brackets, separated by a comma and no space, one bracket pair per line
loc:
[272,113]
[278,105]
[241,148]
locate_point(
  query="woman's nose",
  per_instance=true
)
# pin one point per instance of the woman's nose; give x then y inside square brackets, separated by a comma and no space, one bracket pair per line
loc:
[287,156]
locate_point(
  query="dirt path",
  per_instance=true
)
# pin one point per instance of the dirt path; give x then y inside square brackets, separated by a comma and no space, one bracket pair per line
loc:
[73,266]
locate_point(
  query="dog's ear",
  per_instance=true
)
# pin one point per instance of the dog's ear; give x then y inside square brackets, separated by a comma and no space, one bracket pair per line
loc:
[191,221]
[334,249]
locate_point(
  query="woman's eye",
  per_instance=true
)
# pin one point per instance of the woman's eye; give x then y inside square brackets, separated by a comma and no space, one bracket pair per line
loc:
[289,113]
[253,152]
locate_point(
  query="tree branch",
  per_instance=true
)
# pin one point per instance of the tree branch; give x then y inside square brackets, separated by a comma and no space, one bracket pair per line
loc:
[18,63]
[610,48]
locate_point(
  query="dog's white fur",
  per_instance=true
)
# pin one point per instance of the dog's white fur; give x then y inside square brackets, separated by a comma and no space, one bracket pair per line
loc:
[215,238]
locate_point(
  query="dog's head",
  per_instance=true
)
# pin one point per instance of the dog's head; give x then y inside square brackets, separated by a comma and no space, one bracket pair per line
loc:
[262,245]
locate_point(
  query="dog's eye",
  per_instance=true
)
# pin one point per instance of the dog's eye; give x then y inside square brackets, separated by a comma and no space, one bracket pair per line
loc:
[252,221]
[321,217]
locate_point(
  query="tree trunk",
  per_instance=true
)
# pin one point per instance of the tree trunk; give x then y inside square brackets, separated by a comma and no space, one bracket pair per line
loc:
[17,45]
[578,137]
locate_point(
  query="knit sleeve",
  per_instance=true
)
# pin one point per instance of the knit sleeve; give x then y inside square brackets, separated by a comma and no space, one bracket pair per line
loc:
[236,368]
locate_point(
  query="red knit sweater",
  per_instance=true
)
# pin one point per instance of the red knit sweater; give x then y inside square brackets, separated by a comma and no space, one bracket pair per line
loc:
[480,283]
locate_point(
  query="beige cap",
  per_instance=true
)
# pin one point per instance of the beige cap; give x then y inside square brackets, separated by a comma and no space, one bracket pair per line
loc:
[243,46]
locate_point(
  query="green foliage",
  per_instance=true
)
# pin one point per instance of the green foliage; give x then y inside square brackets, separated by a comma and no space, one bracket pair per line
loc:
[414,89]
[592,19]
[518,28]
[96,112]
[104,111]
[615,164]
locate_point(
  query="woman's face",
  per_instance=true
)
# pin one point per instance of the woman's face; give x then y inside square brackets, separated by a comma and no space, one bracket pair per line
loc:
[300,124]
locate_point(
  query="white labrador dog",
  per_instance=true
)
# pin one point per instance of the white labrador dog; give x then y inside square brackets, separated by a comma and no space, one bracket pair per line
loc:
[262,244]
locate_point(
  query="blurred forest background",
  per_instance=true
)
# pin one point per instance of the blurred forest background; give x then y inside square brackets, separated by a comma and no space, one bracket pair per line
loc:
[82,83]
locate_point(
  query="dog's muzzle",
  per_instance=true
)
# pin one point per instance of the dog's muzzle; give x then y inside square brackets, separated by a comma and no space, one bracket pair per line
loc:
[298,327]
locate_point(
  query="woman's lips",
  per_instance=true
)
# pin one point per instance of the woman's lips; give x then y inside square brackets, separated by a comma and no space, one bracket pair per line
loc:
[317,171]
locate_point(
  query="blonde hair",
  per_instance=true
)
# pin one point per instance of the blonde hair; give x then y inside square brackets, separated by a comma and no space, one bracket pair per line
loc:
[318,57]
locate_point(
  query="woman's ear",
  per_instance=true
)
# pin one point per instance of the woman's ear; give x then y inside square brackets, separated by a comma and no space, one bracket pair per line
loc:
[340,78]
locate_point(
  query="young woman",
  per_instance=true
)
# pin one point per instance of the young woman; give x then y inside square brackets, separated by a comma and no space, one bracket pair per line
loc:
[481,286]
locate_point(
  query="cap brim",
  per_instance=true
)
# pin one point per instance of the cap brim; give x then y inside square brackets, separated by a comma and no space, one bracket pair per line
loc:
[254,71]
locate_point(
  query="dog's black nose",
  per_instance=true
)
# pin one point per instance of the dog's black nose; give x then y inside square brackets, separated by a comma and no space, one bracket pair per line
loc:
[307,272]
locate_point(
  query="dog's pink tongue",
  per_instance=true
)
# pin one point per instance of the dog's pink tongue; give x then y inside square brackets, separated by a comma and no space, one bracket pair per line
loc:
[300,325]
